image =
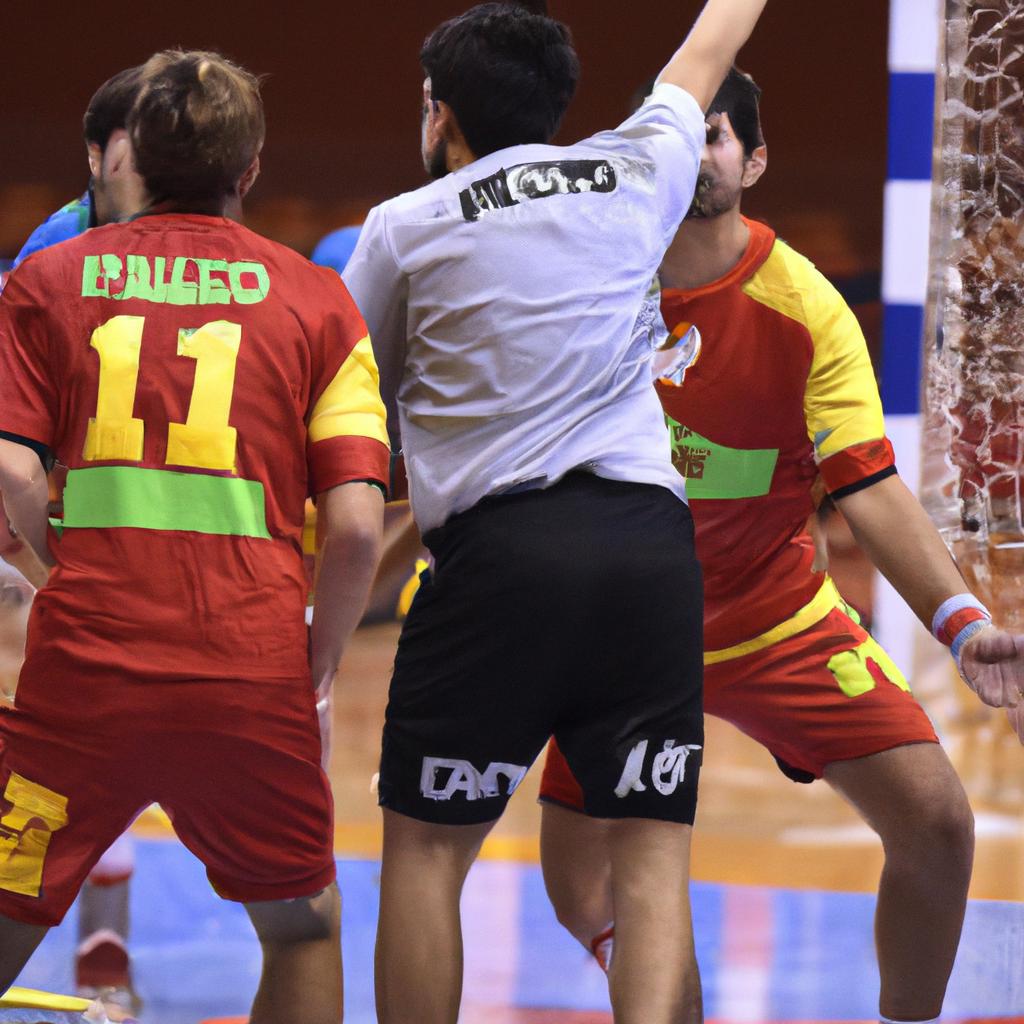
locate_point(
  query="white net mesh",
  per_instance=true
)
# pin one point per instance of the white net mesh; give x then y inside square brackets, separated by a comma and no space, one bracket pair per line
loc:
[974,360]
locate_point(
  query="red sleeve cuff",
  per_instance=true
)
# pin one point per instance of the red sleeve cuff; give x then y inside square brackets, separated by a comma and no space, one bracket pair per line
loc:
[858,466]
[34,427]
[340,460]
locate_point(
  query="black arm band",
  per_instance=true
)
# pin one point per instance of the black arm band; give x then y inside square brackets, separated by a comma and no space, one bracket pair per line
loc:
[45,456]
[860,485]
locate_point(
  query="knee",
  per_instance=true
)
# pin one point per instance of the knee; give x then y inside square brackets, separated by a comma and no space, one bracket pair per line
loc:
[584,912]
[942,826]
[309,919]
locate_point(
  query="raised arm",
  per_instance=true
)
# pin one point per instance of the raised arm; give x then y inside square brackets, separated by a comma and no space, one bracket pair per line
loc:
[700,65]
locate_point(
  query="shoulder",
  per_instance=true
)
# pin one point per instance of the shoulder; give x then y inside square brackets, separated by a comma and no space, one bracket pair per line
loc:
[668,113]
[281,257]
[66,223]
[791,284]
[429,202]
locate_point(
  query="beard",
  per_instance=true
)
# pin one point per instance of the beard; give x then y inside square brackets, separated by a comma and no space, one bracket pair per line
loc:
[711,198]
[436,163]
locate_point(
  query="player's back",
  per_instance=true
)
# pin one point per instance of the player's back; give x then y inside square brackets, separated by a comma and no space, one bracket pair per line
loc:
[524,274]
[182,354]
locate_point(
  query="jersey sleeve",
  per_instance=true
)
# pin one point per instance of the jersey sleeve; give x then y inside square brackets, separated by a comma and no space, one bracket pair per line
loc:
[841,403]
[29,400]
[667,134]
[347,435]
[381,291]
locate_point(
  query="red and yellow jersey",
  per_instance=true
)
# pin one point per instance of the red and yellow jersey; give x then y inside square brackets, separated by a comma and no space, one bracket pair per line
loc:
[199,382]
[781,392]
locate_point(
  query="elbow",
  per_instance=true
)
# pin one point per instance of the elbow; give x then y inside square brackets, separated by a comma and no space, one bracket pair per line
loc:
[20,476]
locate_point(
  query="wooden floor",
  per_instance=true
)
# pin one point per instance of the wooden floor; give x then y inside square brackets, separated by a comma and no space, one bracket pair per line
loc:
[754,826]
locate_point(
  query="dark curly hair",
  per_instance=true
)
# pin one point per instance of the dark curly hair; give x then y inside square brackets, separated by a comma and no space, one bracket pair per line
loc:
[110,105]
[507,73]
[739,97]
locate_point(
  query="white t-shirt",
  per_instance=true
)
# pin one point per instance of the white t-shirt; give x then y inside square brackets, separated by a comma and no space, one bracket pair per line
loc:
[504,302]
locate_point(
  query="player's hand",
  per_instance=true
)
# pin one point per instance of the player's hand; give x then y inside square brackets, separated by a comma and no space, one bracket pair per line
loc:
[1015,716]
[992,665]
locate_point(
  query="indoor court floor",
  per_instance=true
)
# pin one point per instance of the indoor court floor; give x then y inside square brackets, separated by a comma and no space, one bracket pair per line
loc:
[782,900]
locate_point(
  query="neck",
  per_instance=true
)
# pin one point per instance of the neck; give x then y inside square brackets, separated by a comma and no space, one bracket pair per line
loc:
[458,155]
[704,250]
[226,206]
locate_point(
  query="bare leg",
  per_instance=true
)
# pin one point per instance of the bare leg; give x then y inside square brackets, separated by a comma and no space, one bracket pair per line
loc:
[419,934]
[18,942]
[653,977]
[913,799]
[577,866]
[301,942]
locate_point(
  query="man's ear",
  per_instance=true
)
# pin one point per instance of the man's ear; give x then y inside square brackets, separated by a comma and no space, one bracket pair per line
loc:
[447,126]
[248,179]
[95,157]
[117,155]
[754,166]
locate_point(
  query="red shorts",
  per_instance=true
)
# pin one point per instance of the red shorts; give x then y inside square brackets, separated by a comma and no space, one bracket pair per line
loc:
[235,764]
[827,694]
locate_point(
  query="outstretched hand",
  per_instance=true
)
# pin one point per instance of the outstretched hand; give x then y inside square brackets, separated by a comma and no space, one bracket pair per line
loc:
[992,665]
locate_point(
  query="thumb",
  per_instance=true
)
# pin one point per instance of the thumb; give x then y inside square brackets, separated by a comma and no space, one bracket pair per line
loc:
[990,646]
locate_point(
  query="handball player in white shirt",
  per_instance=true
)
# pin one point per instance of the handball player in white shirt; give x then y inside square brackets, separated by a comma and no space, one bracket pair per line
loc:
[505,302]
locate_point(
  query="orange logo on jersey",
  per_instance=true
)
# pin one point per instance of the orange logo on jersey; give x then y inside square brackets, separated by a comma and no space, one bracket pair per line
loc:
[681,350]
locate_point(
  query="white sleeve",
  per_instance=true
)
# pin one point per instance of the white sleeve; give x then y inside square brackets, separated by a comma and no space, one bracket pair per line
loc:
[668,133]
[380,290]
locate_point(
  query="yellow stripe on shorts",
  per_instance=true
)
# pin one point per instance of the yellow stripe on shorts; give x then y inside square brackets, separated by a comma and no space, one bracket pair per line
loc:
[827,598]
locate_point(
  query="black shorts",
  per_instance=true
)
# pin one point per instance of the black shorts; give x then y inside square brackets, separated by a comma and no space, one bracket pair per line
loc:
[574,611]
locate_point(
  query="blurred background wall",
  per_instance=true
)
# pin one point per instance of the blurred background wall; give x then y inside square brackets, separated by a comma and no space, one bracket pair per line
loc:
[342,99]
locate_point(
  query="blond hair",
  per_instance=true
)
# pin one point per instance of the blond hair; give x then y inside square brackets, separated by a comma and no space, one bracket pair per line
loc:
[196,126]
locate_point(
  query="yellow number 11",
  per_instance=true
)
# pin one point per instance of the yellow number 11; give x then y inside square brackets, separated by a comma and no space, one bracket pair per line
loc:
[204,440]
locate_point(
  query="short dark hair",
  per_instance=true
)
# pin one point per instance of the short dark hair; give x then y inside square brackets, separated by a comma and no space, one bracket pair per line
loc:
[110,105]
[739,96]
[507,73]
[196,126]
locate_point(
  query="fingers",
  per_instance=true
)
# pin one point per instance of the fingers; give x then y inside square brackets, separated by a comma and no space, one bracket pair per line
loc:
[1015,716]
[989,691]
[991,646]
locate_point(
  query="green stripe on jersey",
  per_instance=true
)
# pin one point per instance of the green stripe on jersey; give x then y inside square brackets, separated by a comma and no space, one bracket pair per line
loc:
[717,471]
[158,499]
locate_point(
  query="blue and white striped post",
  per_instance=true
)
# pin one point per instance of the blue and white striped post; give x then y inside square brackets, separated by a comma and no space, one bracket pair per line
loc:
[913,60]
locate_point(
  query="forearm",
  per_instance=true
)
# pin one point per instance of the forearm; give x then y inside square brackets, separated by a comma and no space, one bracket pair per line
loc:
[347,562]
[25,496]
[901,540]
[25,560]
[701,63]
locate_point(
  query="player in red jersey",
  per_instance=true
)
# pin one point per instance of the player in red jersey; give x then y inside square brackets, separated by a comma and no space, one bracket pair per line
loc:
[198,381]
[116,191]
[773,388]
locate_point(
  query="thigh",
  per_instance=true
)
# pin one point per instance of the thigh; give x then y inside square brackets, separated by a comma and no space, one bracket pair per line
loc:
[633,737]
[473,696]
[63,800]
[911,790]
[242,783]
[828,694]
